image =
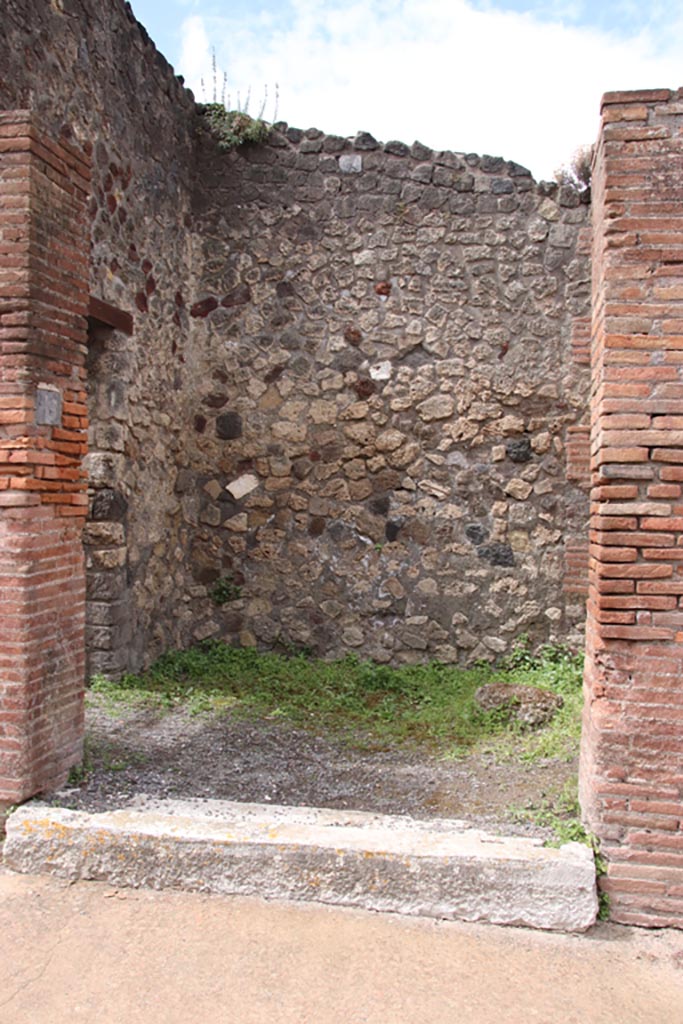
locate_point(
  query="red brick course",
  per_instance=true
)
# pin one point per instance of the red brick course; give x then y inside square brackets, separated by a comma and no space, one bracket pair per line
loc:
[43,499]
[632,745]
[578,472]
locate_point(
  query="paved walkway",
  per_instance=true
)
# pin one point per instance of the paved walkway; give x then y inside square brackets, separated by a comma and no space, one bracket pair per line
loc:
[88,952]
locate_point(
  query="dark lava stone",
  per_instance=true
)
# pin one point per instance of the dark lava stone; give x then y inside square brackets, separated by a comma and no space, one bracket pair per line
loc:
[497,554]
[476,533]
[519,449]
[364,387]
[316,526]
[391,530]
[380,506]
[229,426]
[109,505]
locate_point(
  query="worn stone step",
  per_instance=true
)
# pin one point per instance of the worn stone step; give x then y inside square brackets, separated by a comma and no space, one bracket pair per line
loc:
[437,868]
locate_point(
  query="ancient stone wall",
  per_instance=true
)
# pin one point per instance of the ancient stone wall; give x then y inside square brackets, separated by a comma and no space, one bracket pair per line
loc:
[386,447]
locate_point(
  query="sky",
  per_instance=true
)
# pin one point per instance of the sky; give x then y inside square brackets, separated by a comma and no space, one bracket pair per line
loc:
[520,79]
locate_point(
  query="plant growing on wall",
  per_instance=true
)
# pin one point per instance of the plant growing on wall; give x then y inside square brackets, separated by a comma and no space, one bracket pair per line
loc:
[233,127]
[578,171]
[225,589]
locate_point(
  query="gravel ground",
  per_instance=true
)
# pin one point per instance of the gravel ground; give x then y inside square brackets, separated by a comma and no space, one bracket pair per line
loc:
[174,754]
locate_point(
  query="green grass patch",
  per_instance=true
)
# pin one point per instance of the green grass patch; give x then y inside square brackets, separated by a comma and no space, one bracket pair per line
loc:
[368,705]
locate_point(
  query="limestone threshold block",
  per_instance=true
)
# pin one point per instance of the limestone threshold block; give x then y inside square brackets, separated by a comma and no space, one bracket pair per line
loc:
[435,868]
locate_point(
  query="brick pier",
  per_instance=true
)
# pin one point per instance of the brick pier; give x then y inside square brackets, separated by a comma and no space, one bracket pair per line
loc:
[632,749]
[44,249]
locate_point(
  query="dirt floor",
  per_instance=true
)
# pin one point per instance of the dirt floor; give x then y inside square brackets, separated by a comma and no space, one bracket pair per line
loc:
[175,754]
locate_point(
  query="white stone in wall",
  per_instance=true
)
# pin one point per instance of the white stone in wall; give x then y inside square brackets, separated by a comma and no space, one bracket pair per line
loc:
[243,485]
[351,163]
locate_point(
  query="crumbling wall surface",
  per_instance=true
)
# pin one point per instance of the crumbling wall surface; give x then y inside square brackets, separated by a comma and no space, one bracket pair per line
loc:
[632,755]
[89,71]
[385,392]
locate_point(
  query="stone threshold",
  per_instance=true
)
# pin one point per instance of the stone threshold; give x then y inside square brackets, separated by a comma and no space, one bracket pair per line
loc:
[437,868]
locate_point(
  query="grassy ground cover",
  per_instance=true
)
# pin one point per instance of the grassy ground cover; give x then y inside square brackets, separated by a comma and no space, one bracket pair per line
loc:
[372,706]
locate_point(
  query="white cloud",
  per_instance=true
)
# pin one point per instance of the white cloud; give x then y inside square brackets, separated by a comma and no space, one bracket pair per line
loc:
[453,76]
[195,55]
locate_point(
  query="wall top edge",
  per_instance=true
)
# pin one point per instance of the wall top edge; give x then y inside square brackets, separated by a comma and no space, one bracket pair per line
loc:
[313,140]
[636,96]
[163,66]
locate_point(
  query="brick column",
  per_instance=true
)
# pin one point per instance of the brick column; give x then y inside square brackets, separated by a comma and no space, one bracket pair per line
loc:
[43,307]
[632,747]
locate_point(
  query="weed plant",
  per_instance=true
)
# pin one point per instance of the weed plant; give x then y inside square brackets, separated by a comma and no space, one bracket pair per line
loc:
[234,126]
[225,589]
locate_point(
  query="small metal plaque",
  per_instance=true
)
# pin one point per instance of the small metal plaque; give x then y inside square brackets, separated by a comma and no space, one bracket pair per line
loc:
[48,406]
